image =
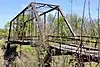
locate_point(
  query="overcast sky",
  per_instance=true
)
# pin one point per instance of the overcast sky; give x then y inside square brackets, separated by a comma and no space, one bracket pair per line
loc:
[10,8]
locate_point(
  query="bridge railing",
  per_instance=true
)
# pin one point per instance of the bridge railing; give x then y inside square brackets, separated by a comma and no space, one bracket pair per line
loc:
[76,40]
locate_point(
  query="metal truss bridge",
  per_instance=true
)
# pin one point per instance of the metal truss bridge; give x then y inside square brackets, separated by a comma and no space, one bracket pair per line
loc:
[31,27]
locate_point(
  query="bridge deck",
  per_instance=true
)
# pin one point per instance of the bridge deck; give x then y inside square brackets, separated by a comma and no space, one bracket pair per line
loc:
[67,49]
[22,42]
[87,52]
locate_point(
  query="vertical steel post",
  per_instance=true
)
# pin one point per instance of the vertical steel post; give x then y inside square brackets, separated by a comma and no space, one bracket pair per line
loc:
[80,57]
[45,30]
[58,26]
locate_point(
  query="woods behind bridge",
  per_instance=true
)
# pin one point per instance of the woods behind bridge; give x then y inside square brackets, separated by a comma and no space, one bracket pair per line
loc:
[28,54]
